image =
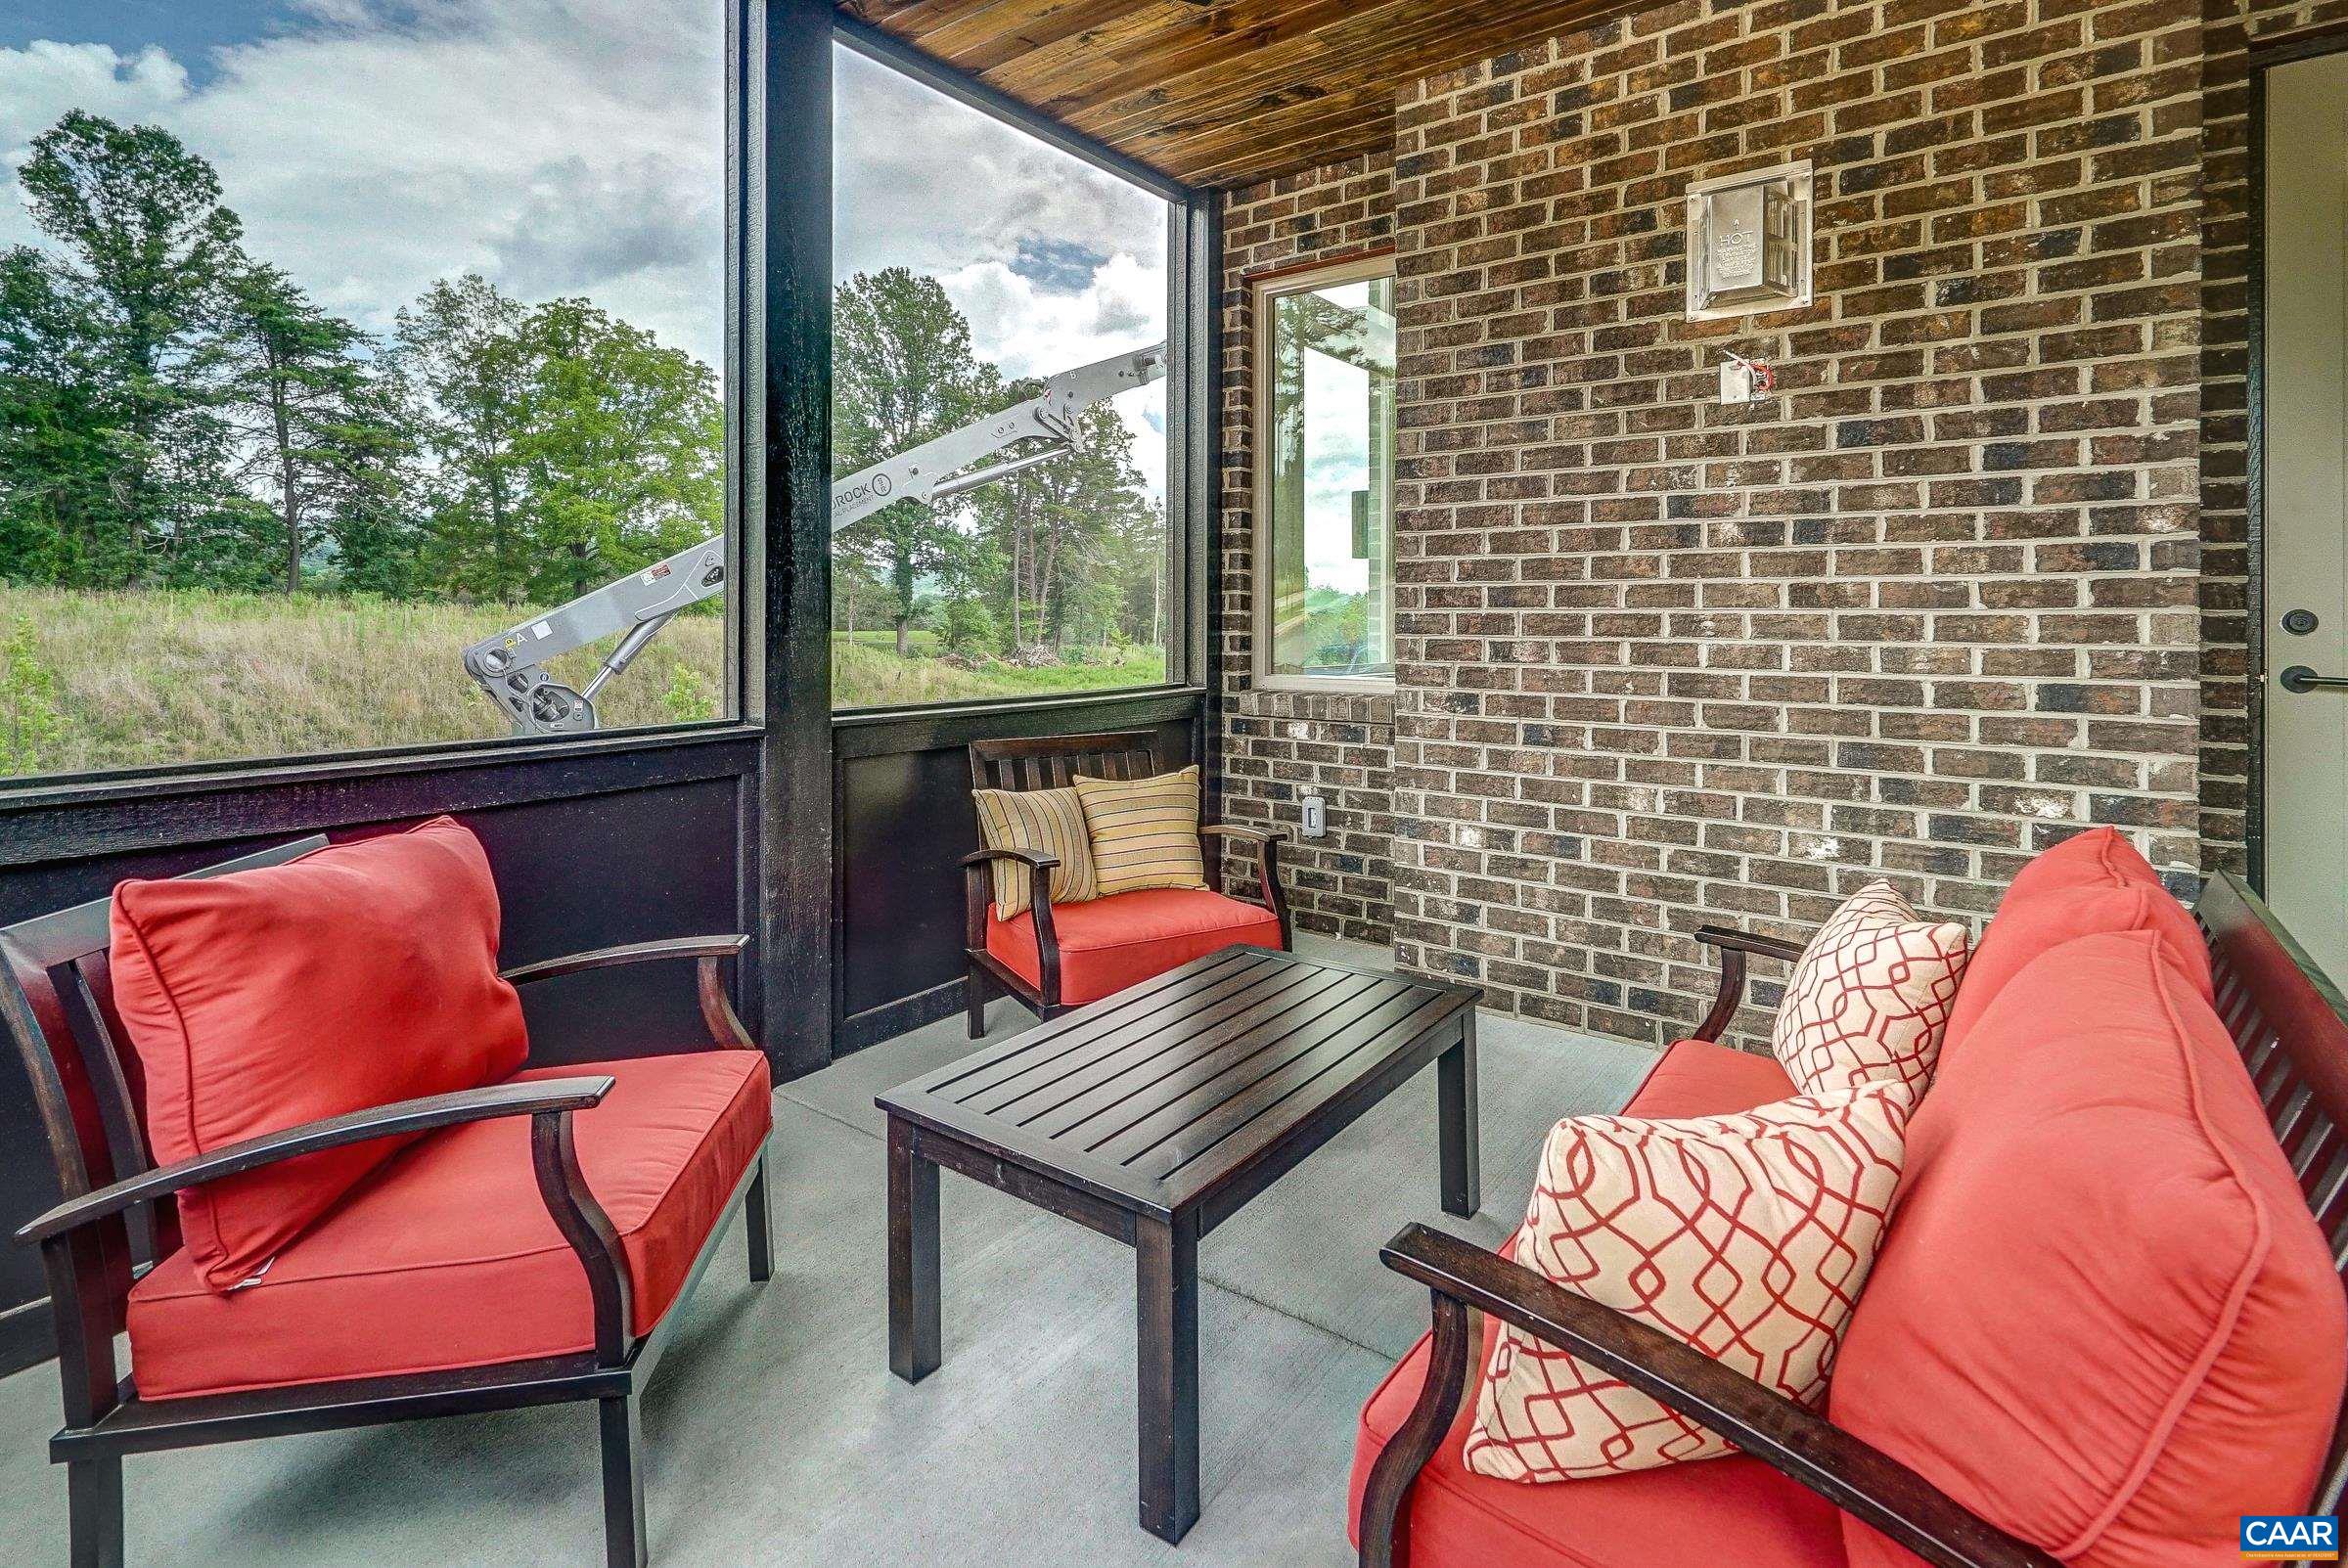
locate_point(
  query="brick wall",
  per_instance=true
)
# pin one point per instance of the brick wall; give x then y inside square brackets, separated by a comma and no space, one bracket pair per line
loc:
[1928,608]
[2232,27]
[1274,747]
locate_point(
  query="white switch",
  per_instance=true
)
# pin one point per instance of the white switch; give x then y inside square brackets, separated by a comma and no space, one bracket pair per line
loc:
[1745,381]
[1316,817]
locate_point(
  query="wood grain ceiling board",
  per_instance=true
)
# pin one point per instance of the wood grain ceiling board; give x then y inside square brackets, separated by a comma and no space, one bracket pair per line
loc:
[1222,92]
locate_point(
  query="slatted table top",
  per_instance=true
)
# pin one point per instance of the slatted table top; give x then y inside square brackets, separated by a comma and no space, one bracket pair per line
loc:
[1165,1095]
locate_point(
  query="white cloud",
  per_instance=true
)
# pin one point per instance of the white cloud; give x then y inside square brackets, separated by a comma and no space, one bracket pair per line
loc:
[578,146]
[926,183]
[555,145]
[1033,331]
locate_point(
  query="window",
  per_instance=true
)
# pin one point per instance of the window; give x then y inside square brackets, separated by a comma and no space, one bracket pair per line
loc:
[1324,478]
[980,550]
[342,347]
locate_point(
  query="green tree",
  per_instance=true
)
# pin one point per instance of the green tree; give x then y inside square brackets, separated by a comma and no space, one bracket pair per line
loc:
[58,522]
[854,591]
[902,374]
[365,481]
[144,251]
[624,445]
[965,626]
[30,726]
[1064,527]
[566,447]
[465,364]
[296,373]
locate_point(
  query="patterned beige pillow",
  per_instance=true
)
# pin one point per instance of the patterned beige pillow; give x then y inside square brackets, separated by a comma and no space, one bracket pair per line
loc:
[1144,830]
[1870,997]
[1050,821]
[1745,1236]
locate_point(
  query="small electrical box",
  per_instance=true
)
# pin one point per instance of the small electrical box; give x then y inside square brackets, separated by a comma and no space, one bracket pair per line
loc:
[1748,243]
[1316,817]
[1746,381]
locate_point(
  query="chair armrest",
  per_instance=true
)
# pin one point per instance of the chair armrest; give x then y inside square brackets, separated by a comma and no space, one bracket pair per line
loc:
[717,1009]
[1860,1479]
[606,958]
[1267,842]
[978,892]
[1735,941]
[533,1097]
[1033,859]
[1733,946]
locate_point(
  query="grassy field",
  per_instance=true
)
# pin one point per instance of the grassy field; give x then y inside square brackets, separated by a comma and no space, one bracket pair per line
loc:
[127,680]
[868,674]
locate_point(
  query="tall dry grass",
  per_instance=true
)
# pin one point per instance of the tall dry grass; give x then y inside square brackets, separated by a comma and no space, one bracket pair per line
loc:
[869,676]
[178,677]
[192,676]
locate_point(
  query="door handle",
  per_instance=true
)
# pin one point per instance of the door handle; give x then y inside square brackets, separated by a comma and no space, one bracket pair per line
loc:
[2299,678]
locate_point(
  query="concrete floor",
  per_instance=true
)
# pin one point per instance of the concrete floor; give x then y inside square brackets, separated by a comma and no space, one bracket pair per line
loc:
[777,1436]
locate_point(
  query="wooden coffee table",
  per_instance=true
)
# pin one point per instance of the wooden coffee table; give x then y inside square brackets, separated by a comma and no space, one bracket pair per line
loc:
[1152,1116]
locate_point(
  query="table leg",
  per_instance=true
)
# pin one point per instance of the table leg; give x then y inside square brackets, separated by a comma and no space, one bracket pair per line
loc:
[1456,1115]
[1166,1301]
[913,1304]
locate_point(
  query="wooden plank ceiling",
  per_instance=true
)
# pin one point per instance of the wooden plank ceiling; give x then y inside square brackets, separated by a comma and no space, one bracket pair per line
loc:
[1222,92]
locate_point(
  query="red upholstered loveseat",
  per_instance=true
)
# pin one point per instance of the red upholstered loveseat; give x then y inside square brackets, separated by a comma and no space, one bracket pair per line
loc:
[2105,1320]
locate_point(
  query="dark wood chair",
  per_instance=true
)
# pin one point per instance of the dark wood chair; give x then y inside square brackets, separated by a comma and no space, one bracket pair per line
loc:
[2286,1019]
[116,1223]
[1050,764]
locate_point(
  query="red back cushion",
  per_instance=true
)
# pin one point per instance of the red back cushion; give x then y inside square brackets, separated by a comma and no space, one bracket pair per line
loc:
[2032,921]
[2100,857]
[2104,1318]
[354,976]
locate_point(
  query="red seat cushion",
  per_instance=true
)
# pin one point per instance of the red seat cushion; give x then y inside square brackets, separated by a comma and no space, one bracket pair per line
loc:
[2103,1318]
[1108,944]
[1698,1515]
[447,1257]
[1701,1078]
[353,977]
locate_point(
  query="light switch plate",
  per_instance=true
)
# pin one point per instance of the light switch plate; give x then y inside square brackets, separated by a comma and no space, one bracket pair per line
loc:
[1316,817]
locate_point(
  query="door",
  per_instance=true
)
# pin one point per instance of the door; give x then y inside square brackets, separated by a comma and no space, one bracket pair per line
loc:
[2304,459]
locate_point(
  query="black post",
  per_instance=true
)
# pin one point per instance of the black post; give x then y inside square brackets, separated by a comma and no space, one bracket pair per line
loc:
[788,477]
[1193,475]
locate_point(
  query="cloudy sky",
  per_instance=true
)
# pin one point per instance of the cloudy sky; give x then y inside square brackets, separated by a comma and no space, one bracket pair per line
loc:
[576,147]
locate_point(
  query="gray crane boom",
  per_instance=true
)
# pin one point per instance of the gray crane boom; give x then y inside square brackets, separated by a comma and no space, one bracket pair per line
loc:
[511,666]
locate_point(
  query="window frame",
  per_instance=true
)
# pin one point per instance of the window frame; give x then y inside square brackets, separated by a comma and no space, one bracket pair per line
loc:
[755,646]
[1264,292]
[1194,243]
[741,660]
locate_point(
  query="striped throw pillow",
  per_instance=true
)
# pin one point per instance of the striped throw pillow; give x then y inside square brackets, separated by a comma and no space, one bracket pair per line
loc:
[1048,821]
[1144,830]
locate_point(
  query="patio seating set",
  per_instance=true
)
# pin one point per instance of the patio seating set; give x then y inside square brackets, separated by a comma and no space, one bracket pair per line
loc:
[310,1171]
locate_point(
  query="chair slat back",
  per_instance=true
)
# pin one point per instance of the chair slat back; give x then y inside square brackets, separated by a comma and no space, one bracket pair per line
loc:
[57,999]
[2291,1023]
[1051,762]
